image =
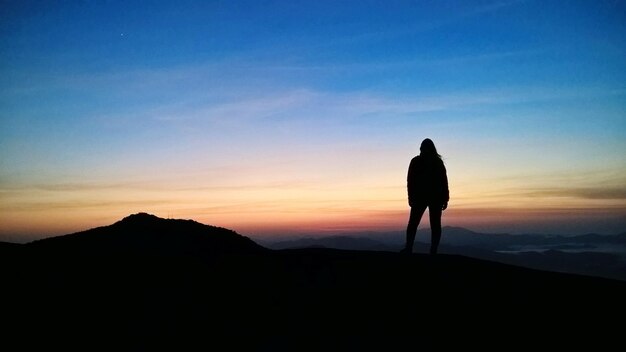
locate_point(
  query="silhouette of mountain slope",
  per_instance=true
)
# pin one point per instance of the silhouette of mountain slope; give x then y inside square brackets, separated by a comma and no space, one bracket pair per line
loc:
[150,234]
[78,292]
[337,242]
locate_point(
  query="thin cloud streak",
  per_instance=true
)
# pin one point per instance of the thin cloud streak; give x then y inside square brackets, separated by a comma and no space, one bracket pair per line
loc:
[607,193]
[306,104]
[386,65]
[225,78]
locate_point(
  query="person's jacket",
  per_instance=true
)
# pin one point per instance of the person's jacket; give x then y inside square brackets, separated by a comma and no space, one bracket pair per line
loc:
[427,181]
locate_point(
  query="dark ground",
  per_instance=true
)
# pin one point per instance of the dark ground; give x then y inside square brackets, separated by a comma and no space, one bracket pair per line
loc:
[93,291]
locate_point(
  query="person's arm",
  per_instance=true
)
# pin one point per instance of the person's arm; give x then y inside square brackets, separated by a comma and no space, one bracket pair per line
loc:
[446,191]
[410,182]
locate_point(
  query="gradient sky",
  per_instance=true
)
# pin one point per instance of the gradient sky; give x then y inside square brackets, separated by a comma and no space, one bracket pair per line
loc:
[296,117]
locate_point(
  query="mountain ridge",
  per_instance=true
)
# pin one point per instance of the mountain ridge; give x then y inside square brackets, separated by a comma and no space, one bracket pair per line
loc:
[143,232]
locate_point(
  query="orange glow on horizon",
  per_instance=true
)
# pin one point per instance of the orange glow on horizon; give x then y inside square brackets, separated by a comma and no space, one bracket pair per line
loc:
[287,205]
[311,219]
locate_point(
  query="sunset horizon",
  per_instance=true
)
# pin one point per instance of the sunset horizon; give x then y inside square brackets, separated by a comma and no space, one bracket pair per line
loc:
[297,118]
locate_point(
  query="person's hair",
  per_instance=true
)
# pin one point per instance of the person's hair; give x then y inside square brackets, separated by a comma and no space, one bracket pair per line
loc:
[428,148]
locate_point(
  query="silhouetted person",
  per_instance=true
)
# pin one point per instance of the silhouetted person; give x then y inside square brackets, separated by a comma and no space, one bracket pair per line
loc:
[427,187]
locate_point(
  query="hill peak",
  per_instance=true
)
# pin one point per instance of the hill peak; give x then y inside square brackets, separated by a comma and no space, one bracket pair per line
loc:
[145,232]
[140,217]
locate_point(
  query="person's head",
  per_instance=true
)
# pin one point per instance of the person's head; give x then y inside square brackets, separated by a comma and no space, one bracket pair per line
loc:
[428,148]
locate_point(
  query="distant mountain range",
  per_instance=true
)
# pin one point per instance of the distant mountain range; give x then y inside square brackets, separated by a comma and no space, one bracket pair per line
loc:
[146,283]
[589,254]
[455,236]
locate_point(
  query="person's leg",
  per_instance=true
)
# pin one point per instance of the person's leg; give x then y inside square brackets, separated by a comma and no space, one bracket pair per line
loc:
[434,211]
[411,228]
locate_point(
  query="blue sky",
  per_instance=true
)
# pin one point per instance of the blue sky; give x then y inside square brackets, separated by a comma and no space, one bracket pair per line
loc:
[287,116]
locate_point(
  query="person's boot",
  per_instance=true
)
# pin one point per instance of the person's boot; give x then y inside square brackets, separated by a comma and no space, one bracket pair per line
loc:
[408,245]
[434,244]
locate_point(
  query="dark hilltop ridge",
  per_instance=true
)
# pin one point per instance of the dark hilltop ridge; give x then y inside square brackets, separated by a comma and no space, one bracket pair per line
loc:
[146,283]
[143,233]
